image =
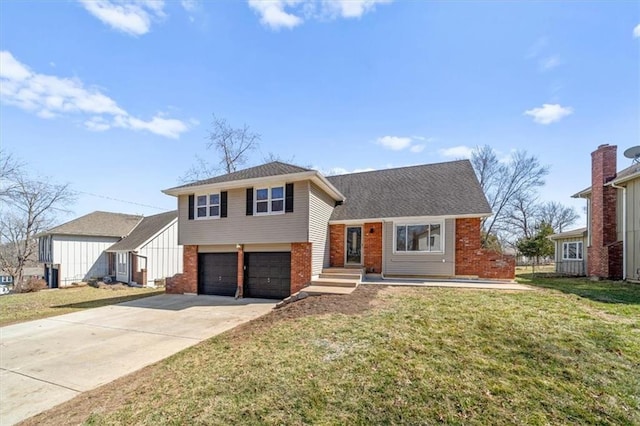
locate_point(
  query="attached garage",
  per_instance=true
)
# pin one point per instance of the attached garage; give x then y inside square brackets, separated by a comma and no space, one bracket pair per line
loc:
[218,273]
[267,275]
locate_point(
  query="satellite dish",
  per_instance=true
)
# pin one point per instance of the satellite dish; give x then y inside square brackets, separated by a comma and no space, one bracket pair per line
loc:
[633,153]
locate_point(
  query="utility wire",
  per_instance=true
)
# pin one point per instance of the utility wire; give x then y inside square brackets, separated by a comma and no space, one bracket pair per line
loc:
[123,201]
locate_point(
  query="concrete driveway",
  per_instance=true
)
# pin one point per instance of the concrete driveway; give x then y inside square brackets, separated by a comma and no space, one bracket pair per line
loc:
[46,362]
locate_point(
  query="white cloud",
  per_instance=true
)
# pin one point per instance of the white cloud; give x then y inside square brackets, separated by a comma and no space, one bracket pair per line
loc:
[49,96]
[129,16]
[190,5]
[460,151]
[277,14]
[398,143]
[395,143]
[549,63]
[549,113]
[350,8]
[273,14]
[636,31]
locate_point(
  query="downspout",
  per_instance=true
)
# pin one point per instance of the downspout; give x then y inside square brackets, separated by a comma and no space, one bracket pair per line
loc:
[624,228]
[384,260]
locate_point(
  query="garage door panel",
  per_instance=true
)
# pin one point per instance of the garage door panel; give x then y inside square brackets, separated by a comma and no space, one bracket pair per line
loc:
[218,273]
[268,275]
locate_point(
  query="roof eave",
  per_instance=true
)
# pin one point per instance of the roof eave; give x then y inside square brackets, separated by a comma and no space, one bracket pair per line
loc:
[313,175]
[399,218]
[625,179]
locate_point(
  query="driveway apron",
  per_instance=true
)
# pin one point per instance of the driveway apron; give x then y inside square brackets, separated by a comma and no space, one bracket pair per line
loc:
[46,362]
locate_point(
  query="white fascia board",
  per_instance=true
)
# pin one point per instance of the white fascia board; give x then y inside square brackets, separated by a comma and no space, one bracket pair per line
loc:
[245,183]
[407,219]
[624,179]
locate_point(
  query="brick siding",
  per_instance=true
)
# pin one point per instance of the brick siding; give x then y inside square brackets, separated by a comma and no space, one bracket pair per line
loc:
[300,266]
[472,259]
[336,245]
[372,247]
[602,259]
[187,282]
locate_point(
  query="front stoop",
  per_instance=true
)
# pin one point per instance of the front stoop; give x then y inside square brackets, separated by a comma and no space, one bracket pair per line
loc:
[336,281]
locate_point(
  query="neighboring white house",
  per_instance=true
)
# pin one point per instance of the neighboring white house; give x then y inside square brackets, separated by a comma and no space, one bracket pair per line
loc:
[78,250]
[149,252]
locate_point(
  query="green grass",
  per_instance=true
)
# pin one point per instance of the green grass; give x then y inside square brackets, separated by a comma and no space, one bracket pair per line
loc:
[46,303]
[418,356]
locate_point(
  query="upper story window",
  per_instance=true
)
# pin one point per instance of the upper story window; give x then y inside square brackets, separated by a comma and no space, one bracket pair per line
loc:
[207,206]
[269,200]
[426,238]
[572,250]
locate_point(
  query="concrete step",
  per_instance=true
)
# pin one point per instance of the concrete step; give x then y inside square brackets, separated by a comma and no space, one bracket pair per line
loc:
[319,289]
[334,282]
[342,276]
[342,271]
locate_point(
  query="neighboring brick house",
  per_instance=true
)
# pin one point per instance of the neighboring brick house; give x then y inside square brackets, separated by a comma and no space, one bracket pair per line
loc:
[269,230]
[613,217]
[129,248]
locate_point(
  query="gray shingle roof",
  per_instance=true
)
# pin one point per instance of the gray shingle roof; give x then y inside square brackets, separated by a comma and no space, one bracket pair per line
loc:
[440,189]
[103,224]
[578,232]
[149,226]
[274,168]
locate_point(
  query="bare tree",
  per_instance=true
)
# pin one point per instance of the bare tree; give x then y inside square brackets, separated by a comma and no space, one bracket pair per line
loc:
[503,182]
[522,216]
[9,166]
[30,207]
[200,170]
[232,145]
[557,215]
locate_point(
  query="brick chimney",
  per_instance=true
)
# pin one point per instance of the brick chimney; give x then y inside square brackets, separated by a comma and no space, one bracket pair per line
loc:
[603,211]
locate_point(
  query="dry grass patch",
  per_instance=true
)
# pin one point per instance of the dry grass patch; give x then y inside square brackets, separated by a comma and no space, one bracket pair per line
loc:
[46,303]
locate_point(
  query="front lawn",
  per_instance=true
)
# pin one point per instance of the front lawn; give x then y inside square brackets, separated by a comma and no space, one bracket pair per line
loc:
[46,303]
[396,356]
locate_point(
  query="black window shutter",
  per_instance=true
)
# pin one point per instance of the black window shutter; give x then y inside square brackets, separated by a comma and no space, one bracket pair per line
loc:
[223,204]
[249,201]
[191,202]
[288,198]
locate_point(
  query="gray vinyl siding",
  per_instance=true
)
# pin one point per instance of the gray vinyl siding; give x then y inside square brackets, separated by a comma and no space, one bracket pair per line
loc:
[238,228]
[248,248]
[321,206]
[426,264]
[571,266]
[633,230]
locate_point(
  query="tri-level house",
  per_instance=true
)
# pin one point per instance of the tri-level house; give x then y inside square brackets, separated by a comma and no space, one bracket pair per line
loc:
[268,231]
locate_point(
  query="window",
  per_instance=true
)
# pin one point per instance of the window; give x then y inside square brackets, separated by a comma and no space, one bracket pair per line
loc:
[572,250]
[419,238]
[208,206]
[269,200]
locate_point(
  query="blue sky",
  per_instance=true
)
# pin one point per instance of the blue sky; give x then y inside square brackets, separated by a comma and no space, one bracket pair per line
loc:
[116,97]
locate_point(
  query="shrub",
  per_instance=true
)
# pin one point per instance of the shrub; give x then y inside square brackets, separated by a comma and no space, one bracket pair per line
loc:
[32,285]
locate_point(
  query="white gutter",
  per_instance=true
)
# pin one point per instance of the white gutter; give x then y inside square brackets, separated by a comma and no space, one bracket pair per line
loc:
[624,228]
